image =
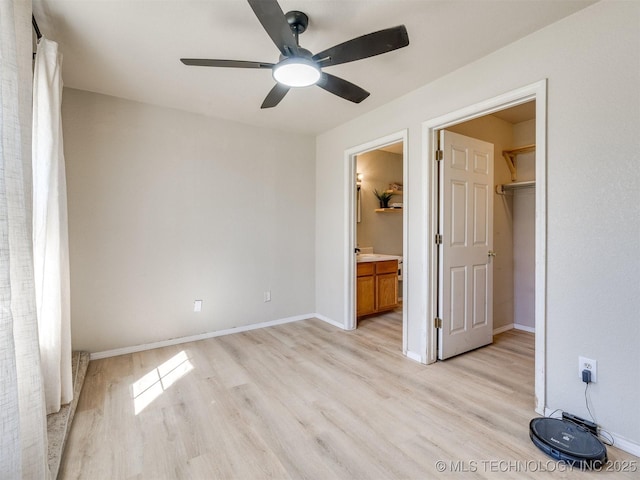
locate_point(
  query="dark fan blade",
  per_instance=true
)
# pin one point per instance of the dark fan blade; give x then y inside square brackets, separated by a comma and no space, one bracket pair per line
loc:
[365,46]
[276,94]
[342,88]
[204,62]
[274,22]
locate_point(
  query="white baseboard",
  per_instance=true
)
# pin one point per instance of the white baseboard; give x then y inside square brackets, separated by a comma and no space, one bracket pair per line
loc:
[328,320]
[203,336]
[524,328]
[512,326]
[619,441]
[414,356]
[627,445]
[503,329]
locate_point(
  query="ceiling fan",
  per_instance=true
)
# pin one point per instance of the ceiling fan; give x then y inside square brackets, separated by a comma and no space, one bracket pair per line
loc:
[297,66]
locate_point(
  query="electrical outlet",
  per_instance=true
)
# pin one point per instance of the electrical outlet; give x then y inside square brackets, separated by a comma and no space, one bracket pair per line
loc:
[267,296]
[197,305]
[585,363]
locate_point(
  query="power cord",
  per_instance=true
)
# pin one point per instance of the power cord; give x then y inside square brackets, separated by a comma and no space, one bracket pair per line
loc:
[586,402]
[603,435]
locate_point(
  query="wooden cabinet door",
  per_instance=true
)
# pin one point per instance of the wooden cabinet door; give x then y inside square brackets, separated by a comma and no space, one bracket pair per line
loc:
[387,287]
[366,295]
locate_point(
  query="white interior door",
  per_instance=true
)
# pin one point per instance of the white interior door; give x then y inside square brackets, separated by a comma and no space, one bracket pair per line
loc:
[465,262]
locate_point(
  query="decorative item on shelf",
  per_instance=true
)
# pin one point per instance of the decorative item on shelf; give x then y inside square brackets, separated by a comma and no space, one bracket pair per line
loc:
[395,187]
[383,198]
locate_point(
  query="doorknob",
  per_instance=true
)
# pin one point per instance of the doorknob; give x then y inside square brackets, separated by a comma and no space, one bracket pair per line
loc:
[491,253]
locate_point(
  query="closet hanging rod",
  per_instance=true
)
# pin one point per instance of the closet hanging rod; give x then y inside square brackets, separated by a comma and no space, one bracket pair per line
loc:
[524,149]
[35,27]
[503,188]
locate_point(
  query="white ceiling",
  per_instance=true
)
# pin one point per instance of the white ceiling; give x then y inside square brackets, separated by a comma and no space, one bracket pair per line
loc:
[131,49]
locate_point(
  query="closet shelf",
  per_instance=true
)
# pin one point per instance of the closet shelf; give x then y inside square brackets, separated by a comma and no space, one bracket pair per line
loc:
[511,155]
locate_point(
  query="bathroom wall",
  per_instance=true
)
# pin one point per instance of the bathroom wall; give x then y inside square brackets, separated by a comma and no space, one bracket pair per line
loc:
[380,230]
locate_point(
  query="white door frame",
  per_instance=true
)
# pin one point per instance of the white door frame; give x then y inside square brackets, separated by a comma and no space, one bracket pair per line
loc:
[538,92]
[350,257]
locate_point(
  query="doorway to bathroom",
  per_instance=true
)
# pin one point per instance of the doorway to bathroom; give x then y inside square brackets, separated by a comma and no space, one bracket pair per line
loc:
[378,235]
[379,240]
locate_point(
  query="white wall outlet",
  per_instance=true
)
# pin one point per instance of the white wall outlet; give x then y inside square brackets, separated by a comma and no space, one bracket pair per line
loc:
[585,363]
[267,296]
[197,306]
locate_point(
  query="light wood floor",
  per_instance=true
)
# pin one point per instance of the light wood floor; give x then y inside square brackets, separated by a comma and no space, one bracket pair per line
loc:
[306,400]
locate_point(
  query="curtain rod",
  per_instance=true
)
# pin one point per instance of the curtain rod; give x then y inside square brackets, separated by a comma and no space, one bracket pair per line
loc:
[35,27]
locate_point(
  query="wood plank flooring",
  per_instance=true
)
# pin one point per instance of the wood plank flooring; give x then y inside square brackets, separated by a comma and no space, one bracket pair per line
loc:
[306,400]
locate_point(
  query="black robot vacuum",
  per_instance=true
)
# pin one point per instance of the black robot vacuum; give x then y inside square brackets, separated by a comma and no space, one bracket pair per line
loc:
[568,442]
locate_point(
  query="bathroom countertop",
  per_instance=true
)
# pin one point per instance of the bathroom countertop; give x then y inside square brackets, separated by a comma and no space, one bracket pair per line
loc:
[376,257]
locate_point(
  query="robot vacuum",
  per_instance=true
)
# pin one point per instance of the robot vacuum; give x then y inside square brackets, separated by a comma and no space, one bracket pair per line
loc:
[568,442]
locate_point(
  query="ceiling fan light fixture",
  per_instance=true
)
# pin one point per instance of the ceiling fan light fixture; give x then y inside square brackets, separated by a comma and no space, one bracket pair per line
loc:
[296,72]
[297,66]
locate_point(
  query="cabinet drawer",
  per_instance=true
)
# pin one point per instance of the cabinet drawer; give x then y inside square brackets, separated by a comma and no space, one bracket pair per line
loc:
[365,268]
[388,266]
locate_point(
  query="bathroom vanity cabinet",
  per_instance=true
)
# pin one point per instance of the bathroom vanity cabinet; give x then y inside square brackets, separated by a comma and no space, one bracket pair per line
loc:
[377,287]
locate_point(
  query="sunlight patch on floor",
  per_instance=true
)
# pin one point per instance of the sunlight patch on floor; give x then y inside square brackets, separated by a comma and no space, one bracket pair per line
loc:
[154,383]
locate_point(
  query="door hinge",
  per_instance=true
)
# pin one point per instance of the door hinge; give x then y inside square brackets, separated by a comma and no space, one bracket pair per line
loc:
[438,239]
[437,322]
[439,155]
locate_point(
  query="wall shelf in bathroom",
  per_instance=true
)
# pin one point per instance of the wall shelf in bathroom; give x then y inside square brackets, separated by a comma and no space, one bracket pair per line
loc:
[383,210]
[394,192]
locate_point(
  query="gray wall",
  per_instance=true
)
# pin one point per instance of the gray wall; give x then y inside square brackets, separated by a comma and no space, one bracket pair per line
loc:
[167,207]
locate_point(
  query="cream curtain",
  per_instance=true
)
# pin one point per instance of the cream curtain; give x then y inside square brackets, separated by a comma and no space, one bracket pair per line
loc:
[50,232]
[23,430]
